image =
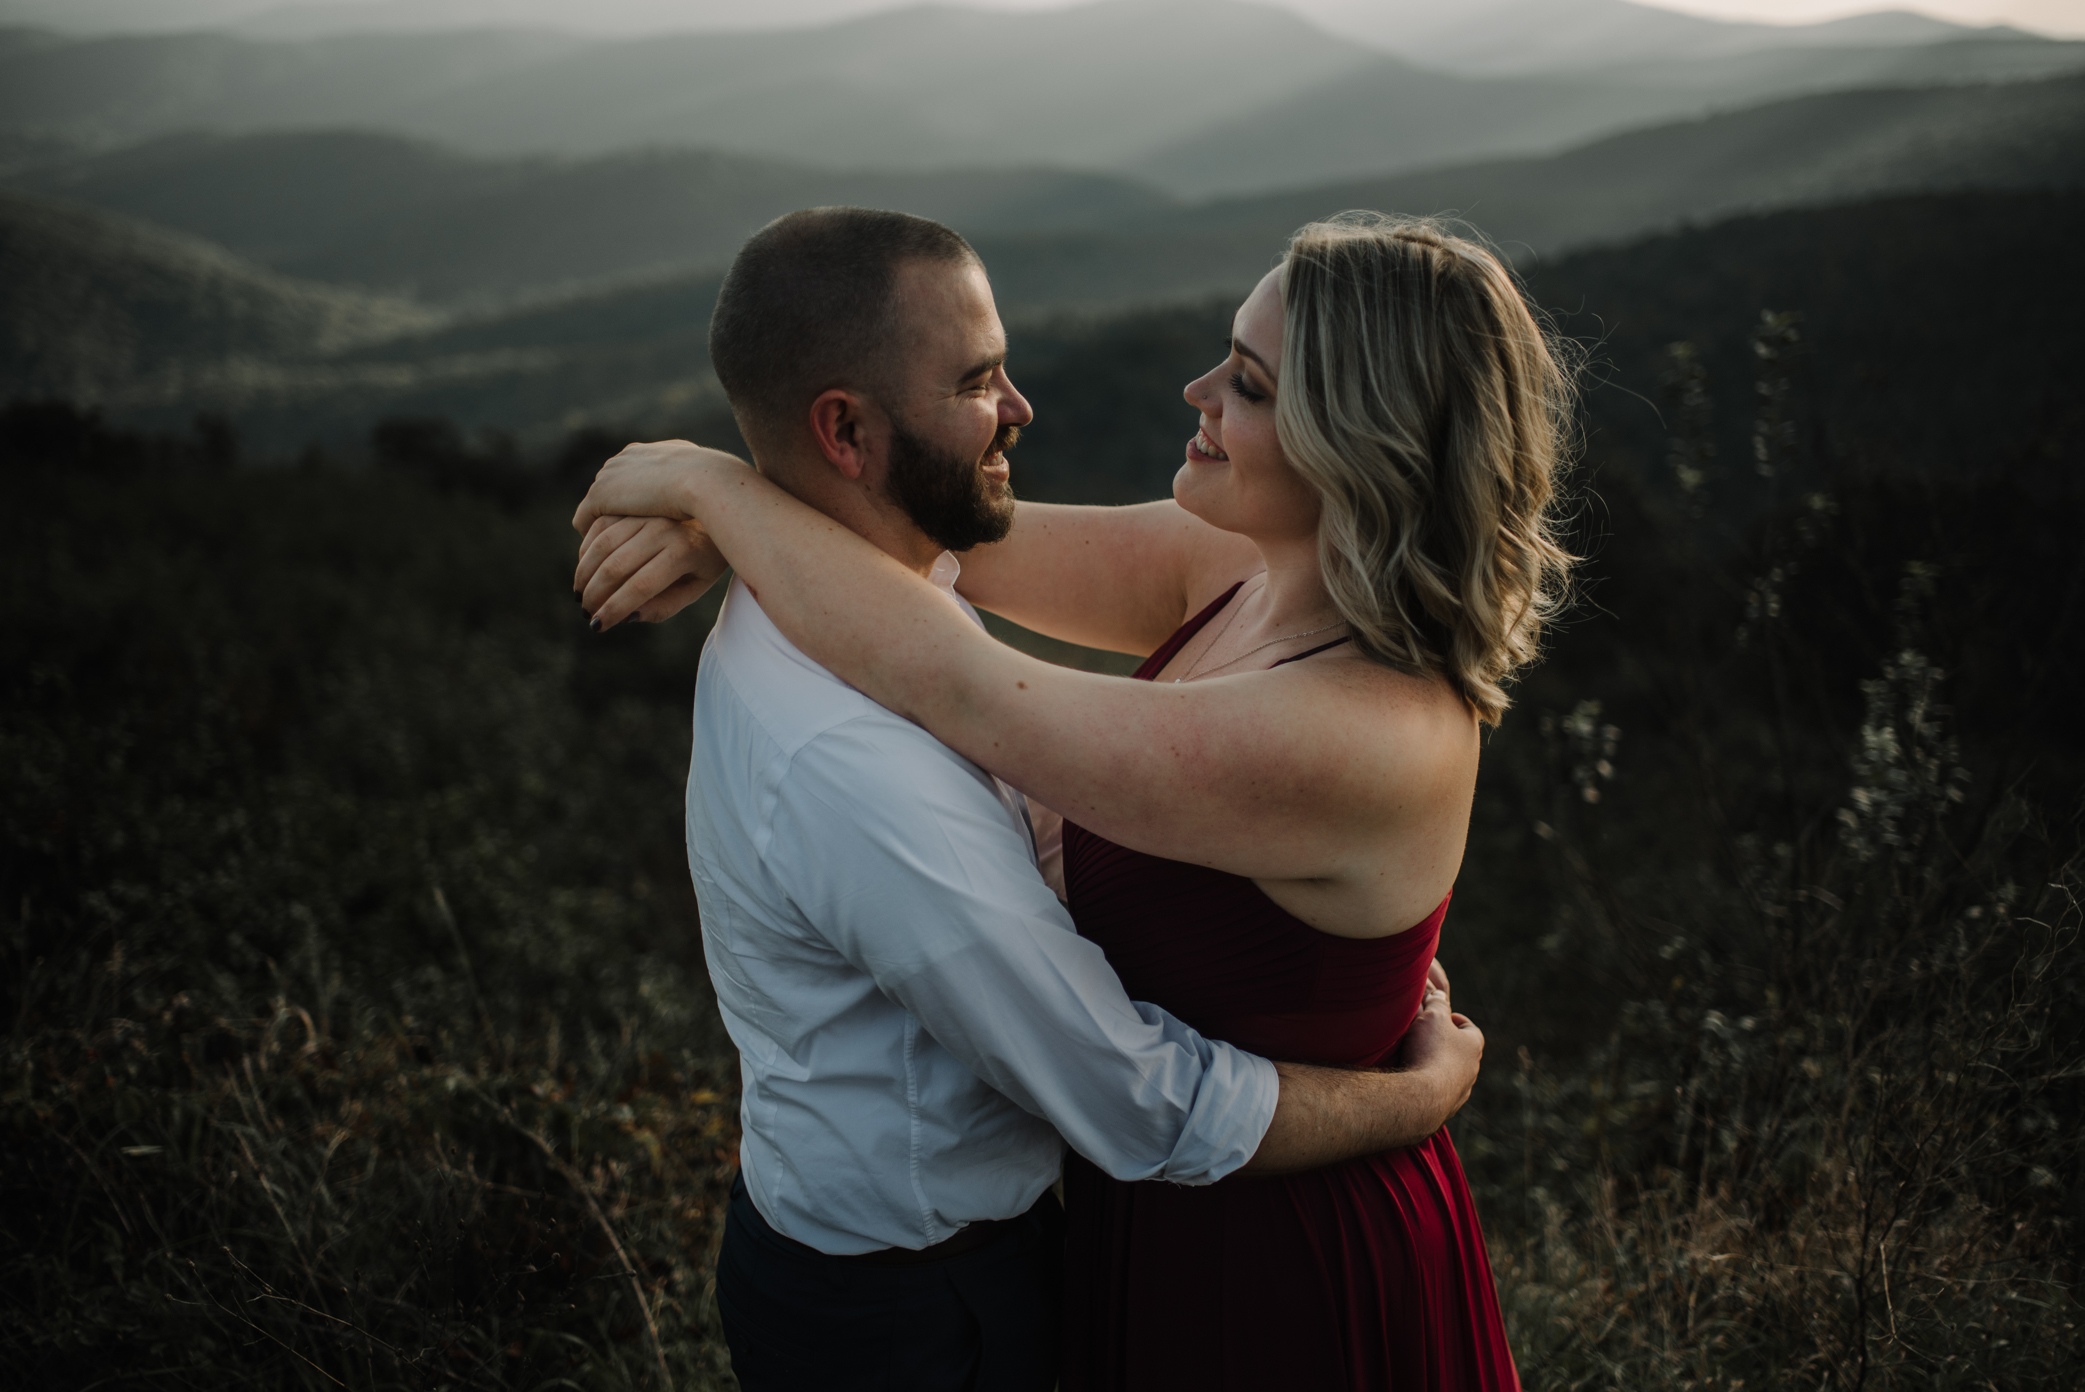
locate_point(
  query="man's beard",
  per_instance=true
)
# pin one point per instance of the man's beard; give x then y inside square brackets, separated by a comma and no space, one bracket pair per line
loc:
[948,496]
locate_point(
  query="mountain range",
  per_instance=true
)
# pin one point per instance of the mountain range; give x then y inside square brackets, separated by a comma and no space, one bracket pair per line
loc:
[403,216]
[332,356]
[1830,148]
[1152,88]
[1521,36]
[394,216]
[95,308]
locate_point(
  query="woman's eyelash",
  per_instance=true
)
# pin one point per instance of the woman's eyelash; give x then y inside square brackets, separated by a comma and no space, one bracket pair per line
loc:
[1244,392]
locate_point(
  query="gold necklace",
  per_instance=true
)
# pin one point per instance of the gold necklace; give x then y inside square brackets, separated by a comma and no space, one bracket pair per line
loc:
[1221,633]
[1308,633]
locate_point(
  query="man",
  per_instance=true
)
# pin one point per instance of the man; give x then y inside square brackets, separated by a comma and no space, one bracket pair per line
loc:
[921,1030]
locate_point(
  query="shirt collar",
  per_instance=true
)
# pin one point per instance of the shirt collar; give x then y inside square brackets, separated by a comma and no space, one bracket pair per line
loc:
[943,575]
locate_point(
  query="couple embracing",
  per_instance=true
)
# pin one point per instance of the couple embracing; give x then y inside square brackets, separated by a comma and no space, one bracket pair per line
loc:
[976,921]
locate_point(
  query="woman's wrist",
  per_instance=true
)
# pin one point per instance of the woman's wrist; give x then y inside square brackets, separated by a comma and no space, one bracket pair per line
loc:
[684,480]
[708,469]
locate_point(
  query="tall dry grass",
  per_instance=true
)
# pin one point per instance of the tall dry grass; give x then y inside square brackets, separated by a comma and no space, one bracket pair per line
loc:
[356,1035]
[1818,1125]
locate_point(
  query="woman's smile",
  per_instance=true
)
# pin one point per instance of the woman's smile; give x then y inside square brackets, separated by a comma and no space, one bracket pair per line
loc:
[1205,448]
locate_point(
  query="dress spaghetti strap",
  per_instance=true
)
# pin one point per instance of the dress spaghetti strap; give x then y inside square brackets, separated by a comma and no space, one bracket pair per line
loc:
[1322,647]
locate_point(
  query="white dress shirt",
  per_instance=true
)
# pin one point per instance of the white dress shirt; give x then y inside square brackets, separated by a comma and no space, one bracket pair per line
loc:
[918,1023]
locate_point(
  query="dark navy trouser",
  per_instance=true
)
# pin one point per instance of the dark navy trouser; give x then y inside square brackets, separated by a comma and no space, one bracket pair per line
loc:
[800,1321]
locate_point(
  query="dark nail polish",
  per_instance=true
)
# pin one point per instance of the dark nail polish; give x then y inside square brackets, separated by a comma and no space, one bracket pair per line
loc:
[593,625]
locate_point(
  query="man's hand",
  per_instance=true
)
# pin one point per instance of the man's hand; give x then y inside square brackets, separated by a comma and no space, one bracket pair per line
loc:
[1329,1115]
[643,568]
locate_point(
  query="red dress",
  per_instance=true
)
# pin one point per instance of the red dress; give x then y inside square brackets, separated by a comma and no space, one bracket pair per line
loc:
[1368,1275]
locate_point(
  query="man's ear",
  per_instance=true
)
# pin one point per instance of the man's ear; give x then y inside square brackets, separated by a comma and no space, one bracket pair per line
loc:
[844,424]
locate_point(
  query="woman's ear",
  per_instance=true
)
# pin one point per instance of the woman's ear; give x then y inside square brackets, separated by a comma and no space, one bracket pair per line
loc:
[840,422]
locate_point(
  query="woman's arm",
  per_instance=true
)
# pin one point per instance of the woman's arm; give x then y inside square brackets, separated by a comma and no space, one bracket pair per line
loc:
[1117,578]
[1295,774]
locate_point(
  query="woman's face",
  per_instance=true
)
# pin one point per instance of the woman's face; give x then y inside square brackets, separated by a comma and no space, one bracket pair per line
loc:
[1235,476]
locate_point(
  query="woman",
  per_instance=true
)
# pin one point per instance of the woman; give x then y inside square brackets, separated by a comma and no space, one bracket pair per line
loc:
[1264,830]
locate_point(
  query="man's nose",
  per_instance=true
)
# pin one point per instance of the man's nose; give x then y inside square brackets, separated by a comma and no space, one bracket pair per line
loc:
[1013,407]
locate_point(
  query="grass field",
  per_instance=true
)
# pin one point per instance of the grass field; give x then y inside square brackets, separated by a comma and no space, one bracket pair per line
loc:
[358,1033]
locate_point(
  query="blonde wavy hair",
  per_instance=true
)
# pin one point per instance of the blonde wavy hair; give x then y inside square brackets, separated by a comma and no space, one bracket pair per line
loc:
[1421,397]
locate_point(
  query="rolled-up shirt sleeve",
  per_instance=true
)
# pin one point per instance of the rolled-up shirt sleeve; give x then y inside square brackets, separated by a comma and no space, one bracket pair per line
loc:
[921,881]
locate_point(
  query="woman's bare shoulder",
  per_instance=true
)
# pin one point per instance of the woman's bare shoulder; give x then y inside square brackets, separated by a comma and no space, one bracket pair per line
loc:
[1406,736]
[1390,761]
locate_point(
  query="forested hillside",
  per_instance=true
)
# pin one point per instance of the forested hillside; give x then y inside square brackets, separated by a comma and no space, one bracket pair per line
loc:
[1822,149]
[96,309]
[398,215]
[1379,121]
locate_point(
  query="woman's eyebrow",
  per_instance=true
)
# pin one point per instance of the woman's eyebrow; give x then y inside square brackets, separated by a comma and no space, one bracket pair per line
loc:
[1238,345]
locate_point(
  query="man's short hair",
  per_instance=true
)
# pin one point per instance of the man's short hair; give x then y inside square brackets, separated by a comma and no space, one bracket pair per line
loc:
[809,304]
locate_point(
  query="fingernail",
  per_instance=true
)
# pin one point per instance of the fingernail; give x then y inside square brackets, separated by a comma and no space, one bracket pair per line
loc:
[579,596]
[593,625]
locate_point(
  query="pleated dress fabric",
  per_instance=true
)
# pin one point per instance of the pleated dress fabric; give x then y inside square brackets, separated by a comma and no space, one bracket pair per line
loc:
[1366,1275]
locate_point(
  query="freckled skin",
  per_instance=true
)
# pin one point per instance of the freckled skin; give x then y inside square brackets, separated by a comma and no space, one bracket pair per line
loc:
[1342,787]
[1283,776]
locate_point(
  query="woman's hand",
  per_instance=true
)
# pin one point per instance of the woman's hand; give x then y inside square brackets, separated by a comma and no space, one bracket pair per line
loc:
[1443,1038]
[643,568]
[1327,1115]
[649,480]
[642,556]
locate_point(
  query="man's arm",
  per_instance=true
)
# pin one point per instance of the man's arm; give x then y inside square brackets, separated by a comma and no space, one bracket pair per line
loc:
[935,898]
[1326,1115]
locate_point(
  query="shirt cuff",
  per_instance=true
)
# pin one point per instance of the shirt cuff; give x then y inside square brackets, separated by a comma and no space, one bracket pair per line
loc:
[1232,1110]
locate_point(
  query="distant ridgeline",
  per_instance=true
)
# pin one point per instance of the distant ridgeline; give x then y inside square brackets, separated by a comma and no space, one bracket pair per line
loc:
[1105,86]
[305,286]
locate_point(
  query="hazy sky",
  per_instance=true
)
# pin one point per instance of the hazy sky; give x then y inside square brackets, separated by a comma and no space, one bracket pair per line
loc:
[2065,17]
[2049,16]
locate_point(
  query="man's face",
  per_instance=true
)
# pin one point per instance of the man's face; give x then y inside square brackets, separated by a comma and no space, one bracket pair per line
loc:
[953,412]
